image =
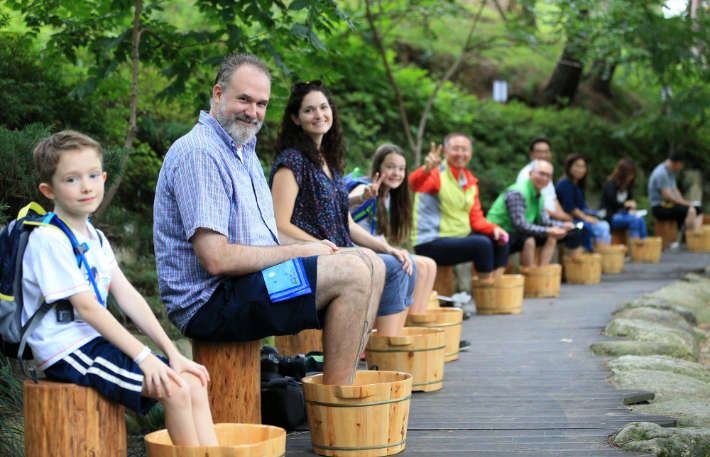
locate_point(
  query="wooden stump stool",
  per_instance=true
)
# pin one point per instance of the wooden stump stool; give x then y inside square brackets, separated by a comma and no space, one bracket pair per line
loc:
[444,282]
[667,230]
[64,419]
[620,236]
[706,219]
[235,371]
[302,343]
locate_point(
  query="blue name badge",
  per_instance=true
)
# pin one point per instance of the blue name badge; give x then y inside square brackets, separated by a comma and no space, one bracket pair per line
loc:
[286,280]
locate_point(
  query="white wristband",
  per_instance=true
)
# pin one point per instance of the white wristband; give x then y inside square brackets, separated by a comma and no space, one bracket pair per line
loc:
[362,200]
[142,355]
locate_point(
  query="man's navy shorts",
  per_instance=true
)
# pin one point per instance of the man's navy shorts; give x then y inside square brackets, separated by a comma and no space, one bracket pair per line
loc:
[240,310]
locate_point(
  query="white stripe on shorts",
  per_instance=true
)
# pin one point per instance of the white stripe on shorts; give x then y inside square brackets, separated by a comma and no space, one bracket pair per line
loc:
[102,374]
[119,371]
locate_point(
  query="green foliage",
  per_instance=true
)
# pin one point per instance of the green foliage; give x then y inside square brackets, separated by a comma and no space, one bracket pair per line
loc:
[137,190]
[139,424]
[19,180]
[11,420]
[30,94]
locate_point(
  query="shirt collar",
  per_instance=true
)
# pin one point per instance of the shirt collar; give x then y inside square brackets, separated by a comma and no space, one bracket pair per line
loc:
[209,121]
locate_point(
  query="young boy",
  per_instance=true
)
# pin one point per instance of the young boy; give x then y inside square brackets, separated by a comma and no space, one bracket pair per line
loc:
[93,349]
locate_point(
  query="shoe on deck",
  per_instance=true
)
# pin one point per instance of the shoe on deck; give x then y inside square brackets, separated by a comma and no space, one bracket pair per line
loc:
[464,345]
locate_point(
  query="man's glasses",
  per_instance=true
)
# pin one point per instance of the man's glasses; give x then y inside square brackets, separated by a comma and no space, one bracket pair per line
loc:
[301,85]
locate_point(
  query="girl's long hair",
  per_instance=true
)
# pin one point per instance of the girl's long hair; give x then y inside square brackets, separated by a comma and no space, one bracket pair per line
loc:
[571,159]
[396,225]
[622,171]
[292,136]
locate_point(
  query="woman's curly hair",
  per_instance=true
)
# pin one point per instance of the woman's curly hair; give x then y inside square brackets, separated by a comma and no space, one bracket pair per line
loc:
[292,136]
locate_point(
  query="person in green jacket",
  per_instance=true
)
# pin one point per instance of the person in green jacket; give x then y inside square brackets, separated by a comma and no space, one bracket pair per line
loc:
[519,211]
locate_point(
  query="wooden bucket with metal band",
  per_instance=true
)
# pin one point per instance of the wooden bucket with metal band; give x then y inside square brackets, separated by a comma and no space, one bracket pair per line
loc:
[542,282]
[698,241]
[302,343]
[367,419]
[433,301]
[235,440]
[612,258]
[502,295]
[418,351]
[448,319]
[646,251]
[583,269]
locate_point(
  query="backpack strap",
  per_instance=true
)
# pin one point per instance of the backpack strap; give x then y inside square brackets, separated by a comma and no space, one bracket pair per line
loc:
[27,330]
[79,249]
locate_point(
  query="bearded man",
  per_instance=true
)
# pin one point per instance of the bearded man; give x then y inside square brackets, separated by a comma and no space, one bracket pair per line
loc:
[216,240]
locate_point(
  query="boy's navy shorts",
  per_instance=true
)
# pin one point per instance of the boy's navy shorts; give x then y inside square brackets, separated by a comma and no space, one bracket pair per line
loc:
[240,310]
[101,365]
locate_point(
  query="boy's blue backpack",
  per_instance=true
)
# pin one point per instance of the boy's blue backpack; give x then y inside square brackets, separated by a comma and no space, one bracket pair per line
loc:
[367,209]
[13,243]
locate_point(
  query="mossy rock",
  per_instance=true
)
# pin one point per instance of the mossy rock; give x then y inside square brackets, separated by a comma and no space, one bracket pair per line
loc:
[665,442]
[621,348]
[690,411]
[666,385]
[637,329]
[664,317]
[678,297]
[183,345]
[659,363]
[657,303]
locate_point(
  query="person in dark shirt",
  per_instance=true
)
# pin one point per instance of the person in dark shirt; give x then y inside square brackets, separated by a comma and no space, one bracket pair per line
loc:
[617,204]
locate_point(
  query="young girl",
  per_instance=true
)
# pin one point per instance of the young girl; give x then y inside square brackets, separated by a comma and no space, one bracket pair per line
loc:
[618,200]
[384,208]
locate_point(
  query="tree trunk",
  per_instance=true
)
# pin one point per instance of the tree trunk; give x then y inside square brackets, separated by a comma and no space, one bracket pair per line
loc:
[132,111]
[602,76]
[565,80]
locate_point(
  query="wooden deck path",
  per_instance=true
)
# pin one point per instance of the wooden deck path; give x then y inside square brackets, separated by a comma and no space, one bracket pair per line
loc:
[530,385]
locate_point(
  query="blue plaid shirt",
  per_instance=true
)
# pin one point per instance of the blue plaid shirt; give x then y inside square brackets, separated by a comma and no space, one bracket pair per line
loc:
[205,183]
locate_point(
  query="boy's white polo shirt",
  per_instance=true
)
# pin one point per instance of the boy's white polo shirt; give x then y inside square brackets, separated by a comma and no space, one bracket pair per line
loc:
[50,270]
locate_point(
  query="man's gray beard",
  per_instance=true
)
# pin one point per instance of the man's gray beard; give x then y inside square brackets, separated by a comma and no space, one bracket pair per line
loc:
[240,133]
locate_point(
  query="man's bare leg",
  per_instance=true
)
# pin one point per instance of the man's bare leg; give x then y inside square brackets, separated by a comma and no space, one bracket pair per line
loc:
[498,272]
[527,255]
[547,251]
[349,288]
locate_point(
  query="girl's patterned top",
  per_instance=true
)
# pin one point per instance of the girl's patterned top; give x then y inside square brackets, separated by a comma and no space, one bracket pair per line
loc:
[322,206]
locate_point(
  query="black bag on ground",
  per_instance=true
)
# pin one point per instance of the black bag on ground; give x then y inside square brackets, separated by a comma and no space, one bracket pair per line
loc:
[282,403]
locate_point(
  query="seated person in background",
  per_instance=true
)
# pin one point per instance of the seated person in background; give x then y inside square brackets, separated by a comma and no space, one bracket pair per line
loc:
[519,210]
[311,200]
[384,208]
[540,149]
[92,349]
[667,203]
[618,203]
[570,190]
[449,225]
[215,237]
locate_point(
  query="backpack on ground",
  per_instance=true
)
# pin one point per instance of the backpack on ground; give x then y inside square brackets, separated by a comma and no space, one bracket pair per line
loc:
[367,209]
[13,243]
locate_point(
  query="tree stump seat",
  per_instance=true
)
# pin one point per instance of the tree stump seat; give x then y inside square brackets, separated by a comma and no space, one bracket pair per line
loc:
[235,372]
[444,282]
[303,342]
[65,419]
[667,230]
[620,236]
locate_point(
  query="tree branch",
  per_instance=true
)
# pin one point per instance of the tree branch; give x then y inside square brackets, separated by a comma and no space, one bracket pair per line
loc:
[390,76]
[132,110]
[449,73]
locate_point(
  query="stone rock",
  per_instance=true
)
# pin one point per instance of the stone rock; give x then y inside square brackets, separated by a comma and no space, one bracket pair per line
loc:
[690,411]
[642,330]
[184,346]
[660,316]
[666,385]
[657,303]
[620,348]
[677,296]
[659,363]
[700,335]
[665,442]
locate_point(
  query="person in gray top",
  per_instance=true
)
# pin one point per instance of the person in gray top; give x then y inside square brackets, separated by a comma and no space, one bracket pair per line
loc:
[667,202]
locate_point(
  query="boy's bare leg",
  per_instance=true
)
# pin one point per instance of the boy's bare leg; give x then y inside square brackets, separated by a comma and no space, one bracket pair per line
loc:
[546,252]
[178,414]
[390,325]
[426,274]
[201,414]
[349,287]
